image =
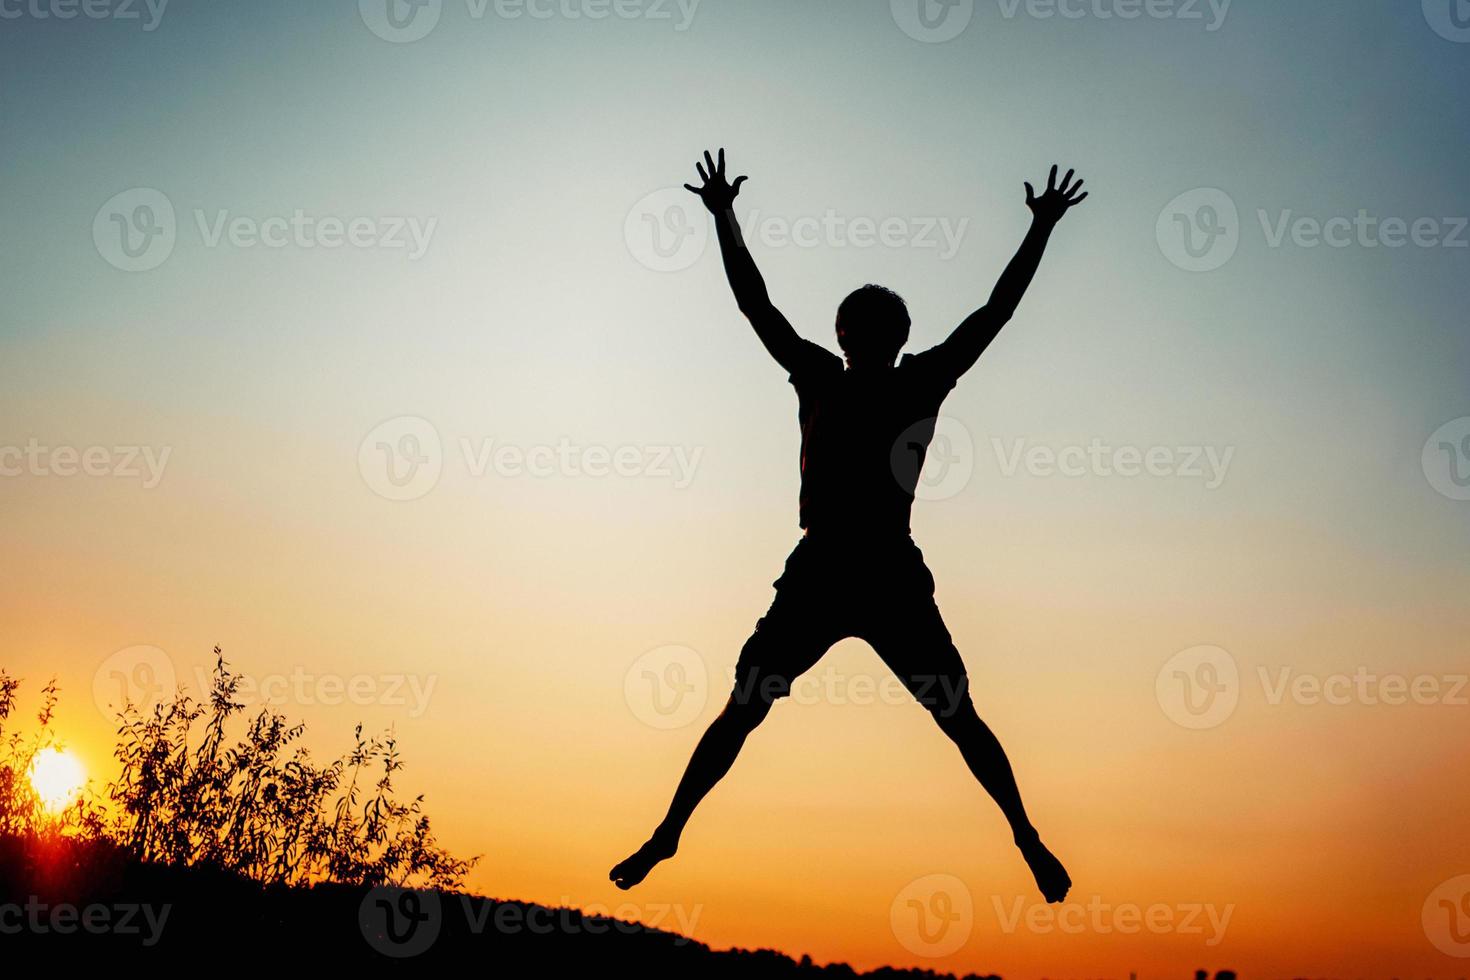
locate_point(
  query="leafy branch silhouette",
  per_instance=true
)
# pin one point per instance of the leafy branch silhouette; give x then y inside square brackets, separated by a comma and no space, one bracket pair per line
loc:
[259,805]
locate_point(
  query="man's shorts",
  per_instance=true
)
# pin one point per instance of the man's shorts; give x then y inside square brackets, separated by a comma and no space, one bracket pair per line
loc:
[881,593]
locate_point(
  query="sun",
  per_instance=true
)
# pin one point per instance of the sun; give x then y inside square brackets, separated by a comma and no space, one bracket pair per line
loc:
[57,776]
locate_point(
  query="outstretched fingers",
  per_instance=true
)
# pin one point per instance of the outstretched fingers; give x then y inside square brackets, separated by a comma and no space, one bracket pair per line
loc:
[1070,191]
[1058,198]
[716,191]
[1074,195]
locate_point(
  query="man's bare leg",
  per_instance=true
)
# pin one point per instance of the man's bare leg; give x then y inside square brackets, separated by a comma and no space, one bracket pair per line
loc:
[986,758]
[712,759]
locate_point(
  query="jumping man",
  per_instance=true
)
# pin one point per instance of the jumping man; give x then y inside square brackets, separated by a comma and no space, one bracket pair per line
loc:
[865,426]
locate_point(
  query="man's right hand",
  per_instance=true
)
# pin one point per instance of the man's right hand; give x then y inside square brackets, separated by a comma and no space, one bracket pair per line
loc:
[1051,204]
[717,193]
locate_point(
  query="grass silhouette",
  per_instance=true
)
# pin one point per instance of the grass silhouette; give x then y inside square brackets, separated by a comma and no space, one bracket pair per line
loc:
[256,805]
[261,807]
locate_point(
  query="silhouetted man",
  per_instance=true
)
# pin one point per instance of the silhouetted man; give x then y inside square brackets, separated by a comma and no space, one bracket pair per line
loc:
[856,572]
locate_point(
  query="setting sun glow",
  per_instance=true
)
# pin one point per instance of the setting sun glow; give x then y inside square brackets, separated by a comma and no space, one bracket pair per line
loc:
[57,777]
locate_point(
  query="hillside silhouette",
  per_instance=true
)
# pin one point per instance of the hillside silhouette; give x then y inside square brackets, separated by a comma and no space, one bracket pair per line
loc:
[215,916]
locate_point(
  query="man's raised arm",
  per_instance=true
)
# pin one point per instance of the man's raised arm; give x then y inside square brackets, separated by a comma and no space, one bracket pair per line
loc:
[963,348]
[773,329]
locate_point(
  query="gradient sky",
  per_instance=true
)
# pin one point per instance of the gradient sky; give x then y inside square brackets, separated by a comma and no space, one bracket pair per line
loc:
[527,606]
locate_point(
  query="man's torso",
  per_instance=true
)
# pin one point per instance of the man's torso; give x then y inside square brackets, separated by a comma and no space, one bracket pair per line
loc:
[864,435]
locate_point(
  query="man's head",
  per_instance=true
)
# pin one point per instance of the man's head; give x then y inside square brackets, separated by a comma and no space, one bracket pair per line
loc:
[872,326]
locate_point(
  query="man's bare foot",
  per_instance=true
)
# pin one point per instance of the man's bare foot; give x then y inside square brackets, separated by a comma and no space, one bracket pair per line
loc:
[633,870]
[1050,876]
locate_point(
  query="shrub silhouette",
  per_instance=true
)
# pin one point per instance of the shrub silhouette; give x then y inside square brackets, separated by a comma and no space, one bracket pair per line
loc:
[258,806]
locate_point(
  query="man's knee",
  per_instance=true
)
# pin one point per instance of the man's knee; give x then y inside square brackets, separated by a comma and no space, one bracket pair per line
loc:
[745,712]
[757,686]
[946,697]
